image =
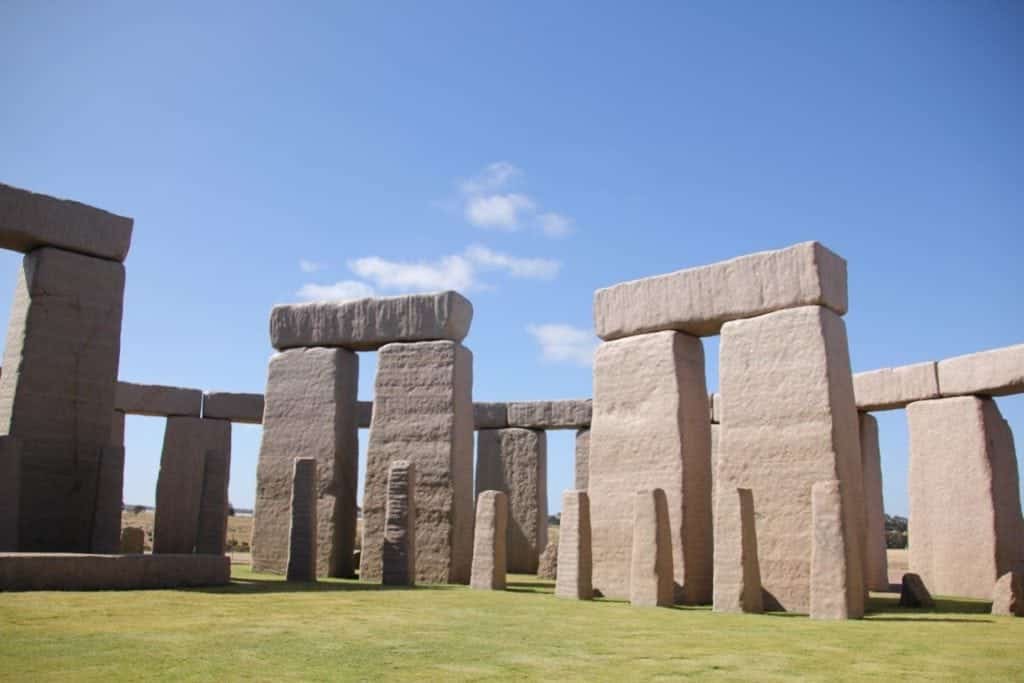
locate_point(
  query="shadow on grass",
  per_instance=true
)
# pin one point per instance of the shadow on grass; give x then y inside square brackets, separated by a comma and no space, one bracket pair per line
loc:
[258,586]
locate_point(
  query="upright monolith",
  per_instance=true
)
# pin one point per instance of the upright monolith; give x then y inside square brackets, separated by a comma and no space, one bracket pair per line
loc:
[489,541]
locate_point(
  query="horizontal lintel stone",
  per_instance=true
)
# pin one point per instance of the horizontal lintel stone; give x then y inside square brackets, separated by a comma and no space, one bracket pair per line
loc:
[892,388]
[997,372]
[223,405]
[570,414]
[157,400]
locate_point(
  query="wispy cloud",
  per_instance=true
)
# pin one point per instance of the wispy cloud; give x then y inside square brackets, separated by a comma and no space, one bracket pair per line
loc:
[450,272]
[502,211]
[555,224]
[491,201]
[310,266]
[563,343]
[532,268]
[345,290]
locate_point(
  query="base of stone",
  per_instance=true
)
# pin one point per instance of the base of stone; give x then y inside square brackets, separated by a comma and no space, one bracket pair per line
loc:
[72,571]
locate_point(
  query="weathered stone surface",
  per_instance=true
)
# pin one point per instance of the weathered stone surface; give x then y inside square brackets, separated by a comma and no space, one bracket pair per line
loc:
[179,487]
[582,464]
[10,487]
[651,430]
[698,301]
[650,576]
[133,540]
[574,550]
[490,415]
[364,414]
[212,536]
[423,412]
[57,390]
[738,588]
[716,408]
[547,567]
[965,518]
[398,557]
[829,573]
[1008,595]
[368,324]
[891,388]
[242,408]
[72,571]
[572,414]
[515,461]
[876,563]
[913,592]
[157,400]
[117,429]
[789,421]
[310,411]
[303,529]
[29,221]
[106,529]
[489,541]
[997,372]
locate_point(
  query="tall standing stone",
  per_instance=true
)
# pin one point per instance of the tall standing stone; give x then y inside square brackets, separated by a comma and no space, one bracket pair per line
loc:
[582,464]
[212,536]
[489,541]
[738,583]
[309,410]
[423,412]
[651,430]
[398,557]
[876,563]
[303,528]
[10,485]
[514,460]
[830,594]
[574,553]
[650,577]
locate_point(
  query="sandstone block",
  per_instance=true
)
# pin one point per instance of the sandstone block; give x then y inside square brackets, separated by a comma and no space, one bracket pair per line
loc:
[157,400]
[891,388]
[547,567]
[716,408]
[515,461]
[73,571]
[364,414]
[489,541]
[876,563]
[997,372]
[133,540]
[829,573]
[212,535]
[303,530]
[650,576]
[490,415]
[106,530]
[398,557]
[651,430]
[117,429]
[10,488]
[242,408]
[582,464]
[1008,595]
[574,549]
[573,414]
[368,324]
[698,301]
[738,588]
[423,412]
[913,593]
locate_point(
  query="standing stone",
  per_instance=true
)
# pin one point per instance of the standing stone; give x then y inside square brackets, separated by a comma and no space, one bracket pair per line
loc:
[489,541]
[738,587]
[1008,595]
[547,566]
[913,593]
[423,412]
[829,573]
[133,540]
[213,505]
[789,421]
[310,410]
[303,530]
[650,577]
[106,531]
[965,523]
[10,484]
[582,459]
[651,430]
[876,564]
[179,487]
[117,429]
[57,391]
[398,557]
[574,569]
[515,461]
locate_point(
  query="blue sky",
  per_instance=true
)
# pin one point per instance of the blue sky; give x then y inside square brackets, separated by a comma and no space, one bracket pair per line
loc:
[527,154]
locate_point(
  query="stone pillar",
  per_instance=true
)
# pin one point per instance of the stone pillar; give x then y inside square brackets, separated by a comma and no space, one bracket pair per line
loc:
[738,585]
[650,577]
[106,531]
[212,536]
[57,391]
[423,412]
[574,555]
[133,540]
[309,411]
[650,429]
[514,460]
[303,530]
[179,487]
[582,459]
[965,523]
[10,485]
[876,563]
[1008,595]
[398,557]
[830,594]
[788,421]
[489,541]
[117,429]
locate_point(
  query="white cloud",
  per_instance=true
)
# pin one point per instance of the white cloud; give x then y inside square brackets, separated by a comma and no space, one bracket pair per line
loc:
[555,224]
[530,268]
[339,291]
[486,202]
[496,176]
[565,343]
[500,211]
[450,272]
[310,266]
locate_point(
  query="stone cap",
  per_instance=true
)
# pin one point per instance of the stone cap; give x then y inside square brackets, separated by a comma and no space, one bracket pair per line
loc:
[891,388]
[569,414]
[996,372]
[243,408]
[157,400]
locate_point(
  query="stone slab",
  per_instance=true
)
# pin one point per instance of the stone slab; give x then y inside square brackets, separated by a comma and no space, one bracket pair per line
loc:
[133,540]
[29,220]
[892,388]
[106,530]
[876,562]
[489,541]
[738,589]
[75,571]
[368,324]
[650,576]
[914,594]
[117,429]
[1008,595]
[698,301]
[157,400]
[241,408]
[997,372]
[10,489]
[303,529]
[398,557]
[715,400]
[830,592]
[571,414]
[212,534]
[547,567]
[581,466]
[490,415]
[574,580]
[364,414]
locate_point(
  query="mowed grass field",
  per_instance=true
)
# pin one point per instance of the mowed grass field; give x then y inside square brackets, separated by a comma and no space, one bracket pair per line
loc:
[261,628]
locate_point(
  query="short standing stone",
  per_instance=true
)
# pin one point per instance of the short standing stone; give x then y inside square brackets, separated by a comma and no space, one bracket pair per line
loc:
[133,540]
[740,589]
[106,524]
[913,592]
[489,541]
[1008,595]
[876,563]
[574,571]
[302,534]
[213,506]
[10,484]
[650,577]
[829,575]
[582,464]
[398,556]
[547,566]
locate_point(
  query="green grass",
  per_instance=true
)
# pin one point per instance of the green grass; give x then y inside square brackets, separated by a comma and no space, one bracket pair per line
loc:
[261,628]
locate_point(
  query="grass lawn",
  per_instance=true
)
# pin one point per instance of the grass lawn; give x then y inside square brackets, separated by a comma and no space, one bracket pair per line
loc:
[261,628]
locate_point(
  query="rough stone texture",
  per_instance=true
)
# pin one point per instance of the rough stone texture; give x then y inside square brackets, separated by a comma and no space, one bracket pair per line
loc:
[133,540]
[913,592]
[57,391]
[573,414]
[243,408]
[368,324]
[310,411]
[738,588]
[997,372]
[490,415]
[789,422]
[157,400]
[489,541]
[876,563]
[179,487]
[582,464]
[364,414]
[117,429]
[574,550]
[700,300]
[10,485]
[891,388]
[106,530]
[965,521]
[1008,595]
[716,408]
[829,574]
[212,536]
[72,571]
[423,412]
[303,530]
[29,221]
[515,461]
[651,430]
[650,575]
[398,557]
[547,567]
